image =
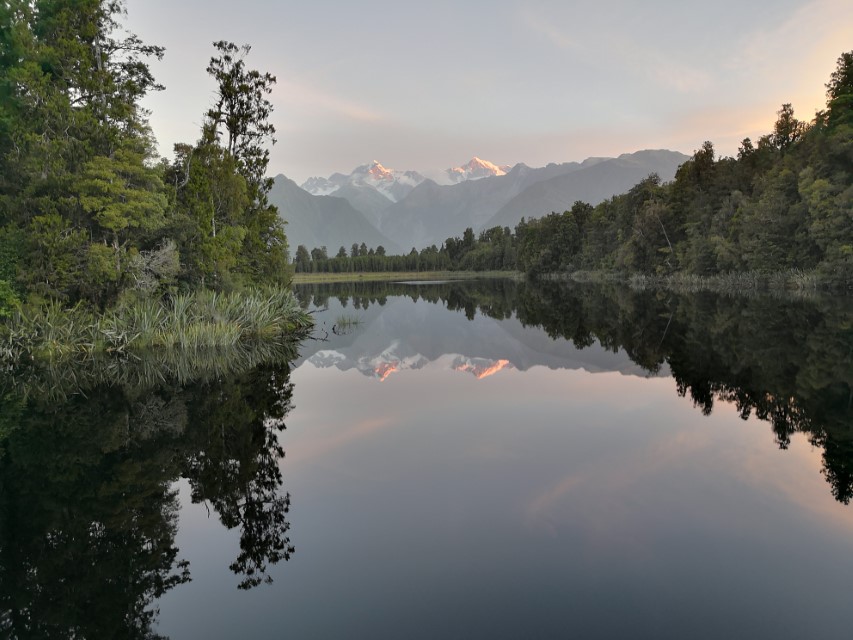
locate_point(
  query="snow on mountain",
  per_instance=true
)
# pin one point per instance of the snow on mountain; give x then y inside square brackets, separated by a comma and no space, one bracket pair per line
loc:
[392,184]
[480,367]
[389,361]
[395,185]
[475,169]
[378,366]
[320,186]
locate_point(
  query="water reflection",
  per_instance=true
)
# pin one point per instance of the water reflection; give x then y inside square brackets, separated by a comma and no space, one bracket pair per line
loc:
[88,512]
[787,361]
[444,494]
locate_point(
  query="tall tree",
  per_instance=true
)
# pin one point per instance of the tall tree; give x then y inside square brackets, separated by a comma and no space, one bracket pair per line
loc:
[69,106]
[239,120]
[787,129]
[839,91]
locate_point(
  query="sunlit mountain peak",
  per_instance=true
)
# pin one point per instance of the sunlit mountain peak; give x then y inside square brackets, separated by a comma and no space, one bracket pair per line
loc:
[480,367]
[373,176]
[475,169]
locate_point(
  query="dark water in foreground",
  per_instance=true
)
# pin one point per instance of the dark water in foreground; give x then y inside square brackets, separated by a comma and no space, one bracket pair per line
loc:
[468,460]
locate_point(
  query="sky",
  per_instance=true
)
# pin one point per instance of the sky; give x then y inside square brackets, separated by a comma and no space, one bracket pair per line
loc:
[429,85]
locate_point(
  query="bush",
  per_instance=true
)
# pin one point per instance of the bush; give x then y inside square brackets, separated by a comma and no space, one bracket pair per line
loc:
[9,301]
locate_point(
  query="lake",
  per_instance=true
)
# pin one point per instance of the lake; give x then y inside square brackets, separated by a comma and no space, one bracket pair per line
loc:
[475,459]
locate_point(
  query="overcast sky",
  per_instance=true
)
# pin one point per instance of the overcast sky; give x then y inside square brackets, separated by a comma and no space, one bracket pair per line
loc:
[428,85]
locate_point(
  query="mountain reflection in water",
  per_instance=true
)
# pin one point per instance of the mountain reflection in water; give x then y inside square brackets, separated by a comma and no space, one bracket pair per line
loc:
[787,361]
[96,456]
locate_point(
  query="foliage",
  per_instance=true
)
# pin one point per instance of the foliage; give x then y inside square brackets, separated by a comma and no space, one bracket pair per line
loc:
[231,232]
[93,214]
[190,322]
[9,301]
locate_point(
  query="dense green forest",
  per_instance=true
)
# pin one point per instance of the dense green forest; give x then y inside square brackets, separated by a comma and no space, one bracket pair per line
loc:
[784,203]
[88,213]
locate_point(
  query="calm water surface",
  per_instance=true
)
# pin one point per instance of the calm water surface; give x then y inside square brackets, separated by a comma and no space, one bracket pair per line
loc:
[450,460]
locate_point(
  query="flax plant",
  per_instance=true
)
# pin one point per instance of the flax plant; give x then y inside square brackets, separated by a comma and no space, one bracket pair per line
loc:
[190,322]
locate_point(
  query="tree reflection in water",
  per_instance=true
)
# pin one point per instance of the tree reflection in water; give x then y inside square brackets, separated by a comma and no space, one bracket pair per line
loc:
[89,454]
[88,512]
[786,359]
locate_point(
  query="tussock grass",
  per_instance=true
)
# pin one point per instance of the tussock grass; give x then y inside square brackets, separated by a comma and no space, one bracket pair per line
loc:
[347,321]
[190,322]
[57,380]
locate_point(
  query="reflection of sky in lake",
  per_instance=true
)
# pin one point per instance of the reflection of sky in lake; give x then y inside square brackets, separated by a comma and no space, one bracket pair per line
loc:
[537,503]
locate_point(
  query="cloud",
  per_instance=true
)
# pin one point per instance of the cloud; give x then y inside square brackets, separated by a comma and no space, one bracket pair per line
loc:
[301,96]
[546,500]
[675,75]
[323,445]
[624,53]
[797,55]
[557,37]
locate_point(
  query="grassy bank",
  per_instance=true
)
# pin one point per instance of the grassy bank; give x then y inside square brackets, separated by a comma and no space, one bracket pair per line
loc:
[190,322]
[734,283]
[395,276]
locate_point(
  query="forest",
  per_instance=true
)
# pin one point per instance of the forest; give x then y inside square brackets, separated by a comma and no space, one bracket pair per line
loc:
[784,204]
[90,217]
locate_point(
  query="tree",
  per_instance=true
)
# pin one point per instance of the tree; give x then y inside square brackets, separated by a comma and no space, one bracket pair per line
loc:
[303,259]
[210,201]
[839,91]
[468,238]
[74,143]
[243,110]
[123,196]
[787,129]
[241,115]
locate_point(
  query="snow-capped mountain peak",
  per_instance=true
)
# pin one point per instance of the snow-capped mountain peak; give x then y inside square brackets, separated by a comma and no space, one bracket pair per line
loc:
[480,367]
[320,186]
[476,168]
[392,184]
[376,172]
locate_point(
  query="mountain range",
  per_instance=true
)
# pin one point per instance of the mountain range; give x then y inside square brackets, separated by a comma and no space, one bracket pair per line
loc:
[404,209]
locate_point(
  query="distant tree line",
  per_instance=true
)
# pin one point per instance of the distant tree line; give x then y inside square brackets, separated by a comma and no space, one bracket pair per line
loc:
[491,250]
[785,202]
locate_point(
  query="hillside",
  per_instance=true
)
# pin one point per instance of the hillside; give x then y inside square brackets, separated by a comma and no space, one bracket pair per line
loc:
[316,221]
[431,213]
[591,184]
